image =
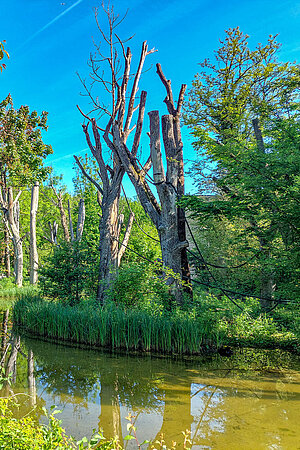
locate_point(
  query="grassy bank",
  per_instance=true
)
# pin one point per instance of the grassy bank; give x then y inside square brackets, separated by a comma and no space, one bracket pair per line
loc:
[206,325]
[116,328]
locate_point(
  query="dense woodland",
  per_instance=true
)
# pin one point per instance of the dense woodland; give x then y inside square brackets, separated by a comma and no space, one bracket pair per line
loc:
[236,241]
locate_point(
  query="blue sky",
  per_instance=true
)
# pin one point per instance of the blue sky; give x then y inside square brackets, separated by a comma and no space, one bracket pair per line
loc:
[49,41]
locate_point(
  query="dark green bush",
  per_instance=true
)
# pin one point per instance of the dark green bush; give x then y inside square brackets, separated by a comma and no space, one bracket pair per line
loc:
[138,285]
[70,274]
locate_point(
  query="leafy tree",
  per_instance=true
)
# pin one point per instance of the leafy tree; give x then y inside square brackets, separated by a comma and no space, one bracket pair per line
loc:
[21,164]
[70,274]
[244,114]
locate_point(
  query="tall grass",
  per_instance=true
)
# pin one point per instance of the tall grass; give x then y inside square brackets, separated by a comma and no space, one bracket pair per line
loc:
[114,327]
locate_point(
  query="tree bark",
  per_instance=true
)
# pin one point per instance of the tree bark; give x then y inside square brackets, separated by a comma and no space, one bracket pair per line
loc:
[81,220]
[6,253]
[34,257]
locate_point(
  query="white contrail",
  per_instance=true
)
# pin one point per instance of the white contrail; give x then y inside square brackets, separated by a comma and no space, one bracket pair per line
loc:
[50,23]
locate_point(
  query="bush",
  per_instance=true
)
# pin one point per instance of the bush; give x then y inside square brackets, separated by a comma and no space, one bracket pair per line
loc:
[70,273]
[138,285]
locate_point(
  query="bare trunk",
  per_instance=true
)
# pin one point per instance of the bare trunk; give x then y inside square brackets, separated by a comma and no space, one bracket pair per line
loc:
[6,253]
[34,257]
[18,261]
[108,247]
[70,222]
[81,220]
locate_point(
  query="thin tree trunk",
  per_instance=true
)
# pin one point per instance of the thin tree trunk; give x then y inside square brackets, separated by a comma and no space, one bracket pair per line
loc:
[6,253]
[34,257]
[70,222]
[81,220]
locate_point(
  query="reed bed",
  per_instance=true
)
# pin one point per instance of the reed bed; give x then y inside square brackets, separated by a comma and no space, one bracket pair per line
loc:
[114,327]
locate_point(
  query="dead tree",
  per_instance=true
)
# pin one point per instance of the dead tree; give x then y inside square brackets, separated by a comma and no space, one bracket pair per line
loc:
[33,255]
[119,84]
[67,225]
[53,228]
[11,218]
[167,216]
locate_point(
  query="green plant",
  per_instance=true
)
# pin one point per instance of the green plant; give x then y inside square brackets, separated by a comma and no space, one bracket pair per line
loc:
[70,273]
[140,285]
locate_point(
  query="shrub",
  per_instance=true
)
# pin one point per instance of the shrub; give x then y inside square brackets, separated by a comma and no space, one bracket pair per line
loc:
[70,273]
[138,284]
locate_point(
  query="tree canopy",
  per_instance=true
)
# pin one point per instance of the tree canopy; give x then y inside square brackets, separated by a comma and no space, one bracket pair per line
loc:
[243,110]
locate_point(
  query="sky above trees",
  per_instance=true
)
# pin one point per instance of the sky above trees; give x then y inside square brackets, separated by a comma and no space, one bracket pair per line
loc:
[50,40]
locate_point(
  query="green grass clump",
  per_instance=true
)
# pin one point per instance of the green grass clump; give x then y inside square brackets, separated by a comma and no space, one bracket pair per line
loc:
[115,327]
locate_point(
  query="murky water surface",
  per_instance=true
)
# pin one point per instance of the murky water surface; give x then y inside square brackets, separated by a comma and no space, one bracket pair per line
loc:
[250,400]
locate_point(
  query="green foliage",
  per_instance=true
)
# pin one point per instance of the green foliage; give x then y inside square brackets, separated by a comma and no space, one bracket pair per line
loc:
[22,148]
[26,434]
[247,326]
[147,244]
[138,285]
[70,273]
[253,179]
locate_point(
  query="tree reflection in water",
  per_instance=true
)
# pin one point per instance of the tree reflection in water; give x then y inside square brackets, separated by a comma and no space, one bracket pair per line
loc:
[241,402]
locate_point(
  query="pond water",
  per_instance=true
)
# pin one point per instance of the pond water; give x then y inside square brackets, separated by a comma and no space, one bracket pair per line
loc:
[250,400]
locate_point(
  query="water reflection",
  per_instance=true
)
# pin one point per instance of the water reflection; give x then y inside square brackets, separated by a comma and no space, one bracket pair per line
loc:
[247,401]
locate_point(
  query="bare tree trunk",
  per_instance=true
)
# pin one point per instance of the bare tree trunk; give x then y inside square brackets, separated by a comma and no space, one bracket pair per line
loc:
[181,222]
[6,252]
[53,228]
[109,247]
[70,222]
[81,220]
[34,257]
